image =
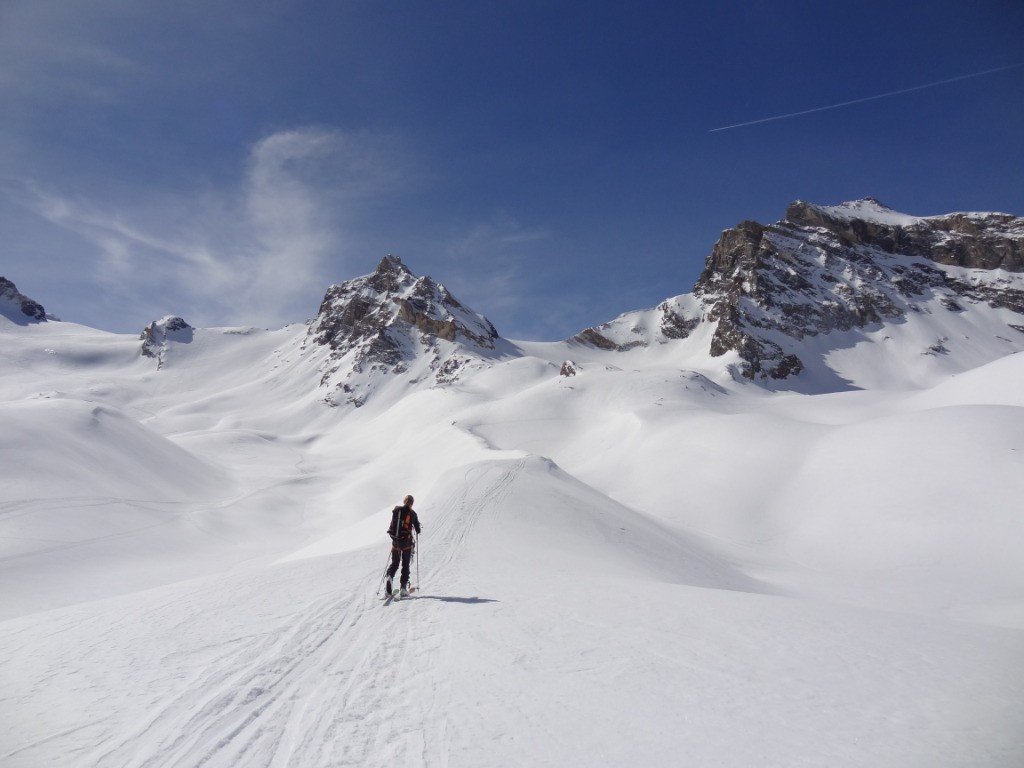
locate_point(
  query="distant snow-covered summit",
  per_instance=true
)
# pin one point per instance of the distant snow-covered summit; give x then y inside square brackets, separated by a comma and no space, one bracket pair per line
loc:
[392,322]
[17,307]
[784,297]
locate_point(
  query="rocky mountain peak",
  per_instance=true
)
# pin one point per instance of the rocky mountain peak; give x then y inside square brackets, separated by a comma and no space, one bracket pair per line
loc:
[17,307]
[868,209]
[390,276]
[384,322]
[768,290]
[846,267]
[971,240]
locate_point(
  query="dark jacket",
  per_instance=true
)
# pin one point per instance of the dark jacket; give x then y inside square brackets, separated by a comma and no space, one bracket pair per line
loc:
[403,522]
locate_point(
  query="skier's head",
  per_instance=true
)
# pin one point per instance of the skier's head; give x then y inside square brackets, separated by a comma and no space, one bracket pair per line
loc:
[407,501]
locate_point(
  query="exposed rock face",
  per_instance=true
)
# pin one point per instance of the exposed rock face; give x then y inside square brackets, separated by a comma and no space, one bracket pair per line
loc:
[381,323]
[971,240]
[18,307]
[158,335]
[825,269]
[594,338]
[674,319]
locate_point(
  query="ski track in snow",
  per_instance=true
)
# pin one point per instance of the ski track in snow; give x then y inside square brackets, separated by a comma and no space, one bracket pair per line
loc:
[326,685]
[339,682]
[281,666]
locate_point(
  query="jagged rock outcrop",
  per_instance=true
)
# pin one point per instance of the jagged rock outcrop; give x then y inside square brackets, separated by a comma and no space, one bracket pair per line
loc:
[594,337]
[157,337]
[381,324]
[824,269]
[671,320]
[18,307]
[970,240]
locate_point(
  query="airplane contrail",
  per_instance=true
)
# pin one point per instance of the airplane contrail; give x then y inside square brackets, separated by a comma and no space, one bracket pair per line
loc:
[867,98]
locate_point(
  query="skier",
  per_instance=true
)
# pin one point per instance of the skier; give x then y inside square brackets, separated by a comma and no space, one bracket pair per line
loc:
[403,521]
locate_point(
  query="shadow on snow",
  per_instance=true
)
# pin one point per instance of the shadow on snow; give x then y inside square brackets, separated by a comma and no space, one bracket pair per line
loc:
[443,599]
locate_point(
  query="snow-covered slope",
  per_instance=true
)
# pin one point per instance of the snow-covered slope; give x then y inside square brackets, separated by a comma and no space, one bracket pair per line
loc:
[531,642]
[627,554]
[849,296]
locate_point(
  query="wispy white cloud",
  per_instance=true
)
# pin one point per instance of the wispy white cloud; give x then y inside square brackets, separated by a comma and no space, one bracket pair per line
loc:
[254,253]
[497,236]
[495,267]
[53,50]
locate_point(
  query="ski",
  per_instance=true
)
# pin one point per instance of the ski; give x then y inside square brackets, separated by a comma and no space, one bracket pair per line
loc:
[396,596]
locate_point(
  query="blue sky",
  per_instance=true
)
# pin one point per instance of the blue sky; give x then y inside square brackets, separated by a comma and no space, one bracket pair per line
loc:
[554,164]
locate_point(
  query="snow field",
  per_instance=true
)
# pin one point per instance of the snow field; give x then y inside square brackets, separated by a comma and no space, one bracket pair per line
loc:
[531,642]
[633,564]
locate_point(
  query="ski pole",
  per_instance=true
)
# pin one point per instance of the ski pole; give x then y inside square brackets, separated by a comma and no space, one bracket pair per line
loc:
[383,574]
[418,585]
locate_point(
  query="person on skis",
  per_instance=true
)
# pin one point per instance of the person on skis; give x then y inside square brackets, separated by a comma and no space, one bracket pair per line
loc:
[404,521]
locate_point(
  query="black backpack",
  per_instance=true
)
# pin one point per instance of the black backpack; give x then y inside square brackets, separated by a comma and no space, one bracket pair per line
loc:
[401,526]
